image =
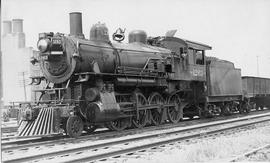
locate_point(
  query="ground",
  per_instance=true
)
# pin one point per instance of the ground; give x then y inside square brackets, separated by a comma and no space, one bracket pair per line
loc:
[220,149]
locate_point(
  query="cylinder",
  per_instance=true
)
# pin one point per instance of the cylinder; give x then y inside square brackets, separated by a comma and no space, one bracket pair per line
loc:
[17,25]
[75,20]
[98,112]
[6,27]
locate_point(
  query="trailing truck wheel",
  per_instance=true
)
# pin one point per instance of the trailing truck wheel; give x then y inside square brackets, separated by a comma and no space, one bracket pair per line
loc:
[156,113]
[174,112]
[74,126]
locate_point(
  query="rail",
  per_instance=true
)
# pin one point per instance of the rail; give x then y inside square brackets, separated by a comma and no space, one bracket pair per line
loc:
[109,148]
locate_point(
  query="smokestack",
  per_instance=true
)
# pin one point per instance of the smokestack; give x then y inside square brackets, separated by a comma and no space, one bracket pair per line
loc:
[6,27]
[17,25]
[75,20]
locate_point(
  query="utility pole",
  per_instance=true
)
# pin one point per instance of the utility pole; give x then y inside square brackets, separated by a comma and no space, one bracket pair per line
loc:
[1,70]
[24,89]
[23,83]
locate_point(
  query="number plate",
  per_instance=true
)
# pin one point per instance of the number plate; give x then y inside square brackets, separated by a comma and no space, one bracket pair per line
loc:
[56,41]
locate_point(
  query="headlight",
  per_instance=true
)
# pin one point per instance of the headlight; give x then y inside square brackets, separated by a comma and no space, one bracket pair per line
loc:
[43,45]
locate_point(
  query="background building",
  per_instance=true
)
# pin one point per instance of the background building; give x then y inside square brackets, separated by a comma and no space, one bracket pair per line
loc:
[15,62]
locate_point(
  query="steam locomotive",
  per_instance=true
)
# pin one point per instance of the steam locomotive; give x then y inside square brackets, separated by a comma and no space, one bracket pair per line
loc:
[91,83]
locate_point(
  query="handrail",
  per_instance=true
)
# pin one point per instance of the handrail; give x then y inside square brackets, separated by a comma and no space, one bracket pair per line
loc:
[52,89]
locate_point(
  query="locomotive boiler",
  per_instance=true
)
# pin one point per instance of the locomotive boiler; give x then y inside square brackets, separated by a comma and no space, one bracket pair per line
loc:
[62,56]
[91,83]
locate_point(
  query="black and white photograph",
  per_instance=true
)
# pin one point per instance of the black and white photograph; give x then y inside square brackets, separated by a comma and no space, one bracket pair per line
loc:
[135,81]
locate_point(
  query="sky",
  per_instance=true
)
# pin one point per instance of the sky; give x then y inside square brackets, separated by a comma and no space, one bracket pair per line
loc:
[237,30]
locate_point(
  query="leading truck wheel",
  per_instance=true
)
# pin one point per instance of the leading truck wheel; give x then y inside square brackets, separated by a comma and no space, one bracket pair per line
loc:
[74,126]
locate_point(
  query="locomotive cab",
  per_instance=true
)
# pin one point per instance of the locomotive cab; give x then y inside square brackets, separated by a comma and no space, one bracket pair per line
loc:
[188,76]
[189,57]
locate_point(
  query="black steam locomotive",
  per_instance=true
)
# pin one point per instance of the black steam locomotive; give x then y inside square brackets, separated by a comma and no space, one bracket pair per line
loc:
[148,81]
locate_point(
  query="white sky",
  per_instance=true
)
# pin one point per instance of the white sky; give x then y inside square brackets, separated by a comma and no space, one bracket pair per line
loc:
[238,30]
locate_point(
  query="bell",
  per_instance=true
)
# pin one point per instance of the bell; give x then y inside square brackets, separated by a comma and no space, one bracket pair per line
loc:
[119,35]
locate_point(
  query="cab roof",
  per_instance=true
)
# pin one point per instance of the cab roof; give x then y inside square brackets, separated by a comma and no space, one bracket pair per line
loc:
[188,43]
[197,45]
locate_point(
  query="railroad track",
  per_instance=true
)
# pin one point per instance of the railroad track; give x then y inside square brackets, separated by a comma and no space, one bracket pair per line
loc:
[115,147]
[10,142]
[25,140]
[103,134]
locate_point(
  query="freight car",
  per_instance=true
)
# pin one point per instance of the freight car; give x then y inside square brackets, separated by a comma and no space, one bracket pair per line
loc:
[148,81]
[257,90]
